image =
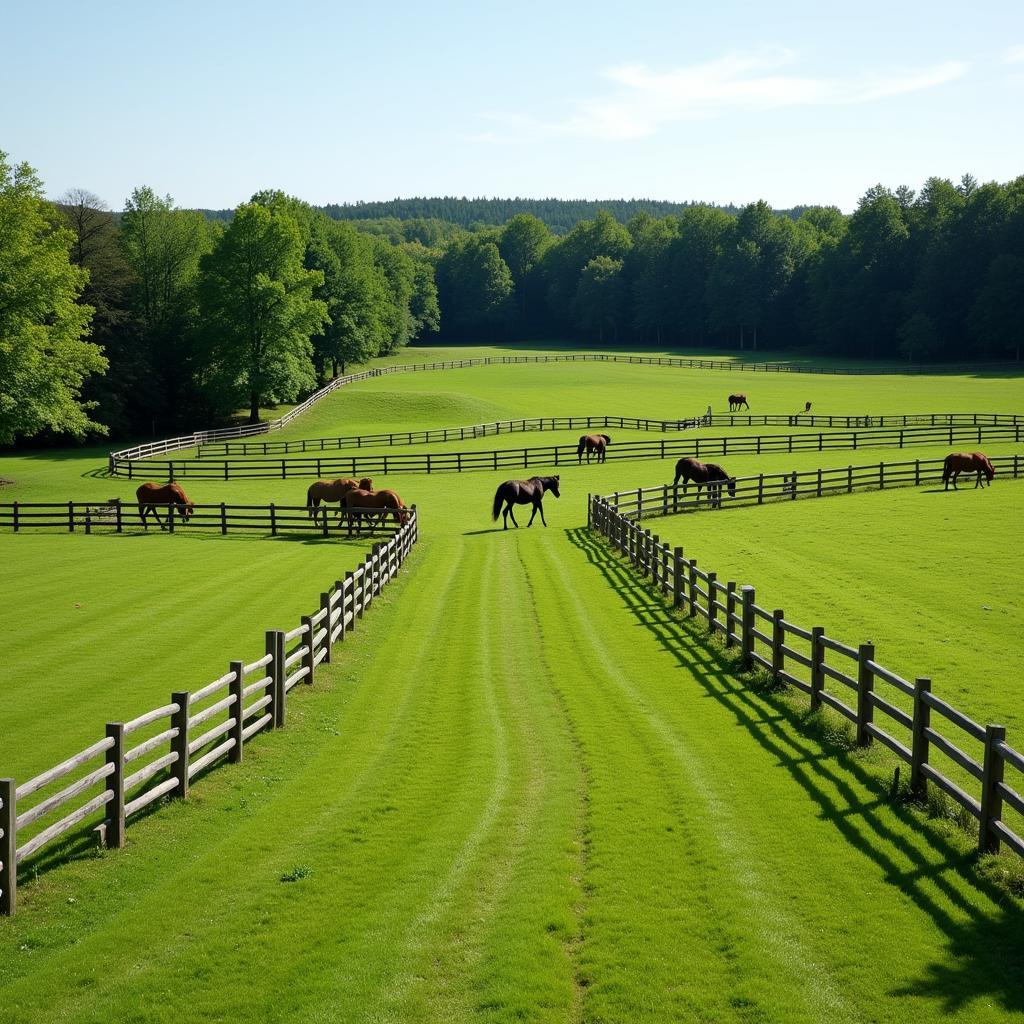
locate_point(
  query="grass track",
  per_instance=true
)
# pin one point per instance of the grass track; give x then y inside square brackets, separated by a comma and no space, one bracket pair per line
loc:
[524,791]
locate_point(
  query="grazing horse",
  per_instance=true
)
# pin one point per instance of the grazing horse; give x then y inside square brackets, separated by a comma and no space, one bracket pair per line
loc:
[962,462]
[150,496]
[359,499]
[593,443]
[705,473]
[523,492]
[807,407]
[333,490]
[737,401]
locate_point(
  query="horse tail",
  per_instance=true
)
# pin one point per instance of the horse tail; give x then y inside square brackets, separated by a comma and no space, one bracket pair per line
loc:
[579,449]
[607,439]
[497,505]
[947,467]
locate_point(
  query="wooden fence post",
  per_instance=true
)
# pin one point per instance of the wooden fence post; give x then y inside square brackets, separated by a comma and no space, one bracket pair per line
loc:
[8,847]
[747,635]
[270,647]
[665,588]
[655,558]
[179,743]
[113,833]
[677,577]
[817,660]
[693,588]
[350,583]
[307,659]
[280,702]
[223,519]
[991,797]
[712,612]
[865,685]
[325,607]
[919,748]
[235,689]
[730,611]
[778,639]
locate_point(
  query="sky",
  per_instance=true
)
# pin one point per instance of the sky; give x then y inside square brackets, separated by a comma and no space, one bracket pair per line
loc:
[792,102]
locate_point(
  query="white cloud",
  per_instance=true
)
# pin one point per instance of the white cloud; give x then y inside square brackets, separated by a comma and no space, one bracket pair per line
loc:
[1014,55]
[643,100]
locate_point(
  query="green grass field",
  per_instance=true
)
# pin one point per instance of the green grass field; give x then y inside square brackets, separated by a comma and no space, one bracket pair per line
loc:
[524,790]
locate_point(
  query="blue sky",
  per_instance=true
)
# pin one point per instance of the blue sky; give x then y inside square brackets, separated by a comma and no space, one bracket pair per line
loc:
[792,102]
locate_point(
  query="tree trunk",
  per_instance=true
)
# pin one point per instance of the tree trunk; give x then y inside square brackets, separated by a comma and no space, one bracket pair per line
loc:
[741,338]
[334,363]
[254,408]
[755,337]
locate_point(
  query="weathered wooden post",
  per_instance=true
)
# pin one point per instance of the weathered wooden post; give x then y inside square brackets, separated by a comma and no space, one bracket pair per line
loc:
[747,634]
[325,607]
[281,677]
[778,640]
[179,742]
[693,588]
[113,833]
[817,660]
[865,685]
[8,847]
[991,797]
[677,577]
[730,611]
[237,669]
[308,661]
[655,558]
[712,611]
[919,743]
[270,649]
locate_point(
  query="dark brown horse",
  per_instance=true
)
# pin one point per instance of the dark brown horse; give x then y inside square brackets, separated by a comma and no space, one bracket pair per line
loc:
[702,473]
[964,462]
[333,490]
[523,492]
[358,500]
[596,443]
[737,401]
[151,496]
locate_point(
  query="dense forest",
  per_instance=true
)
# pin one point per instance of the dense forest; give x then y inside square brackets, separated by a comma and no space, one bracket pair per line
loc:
[155,318]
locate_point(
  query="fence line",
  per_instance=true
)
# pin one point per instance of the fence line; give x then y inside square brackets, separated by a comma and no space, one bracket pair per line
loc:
[254,429]
[116,516]
[172,744]
[914,720]
[608,421]
[765,488]
[564,455]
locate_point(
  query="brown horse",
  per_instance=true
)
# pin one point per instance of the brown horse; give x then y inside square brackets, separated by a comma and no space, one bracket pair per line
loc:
[596,443]
[702,473]
[333,490]
[150,496]
[523,492]
[359,499]
[737,401]
[962,462]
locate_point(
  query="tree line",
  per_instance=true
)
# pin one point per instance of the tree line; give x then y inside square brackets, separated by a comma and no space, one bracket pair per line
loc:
[156,318]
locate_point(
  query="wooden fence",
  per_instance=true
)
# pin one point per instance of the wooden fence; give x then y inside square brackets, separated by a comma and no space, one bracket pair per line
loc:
[923,731]
[667,499]
[166,445]
[609,422]
[563,455]
[160,753]
[115,516]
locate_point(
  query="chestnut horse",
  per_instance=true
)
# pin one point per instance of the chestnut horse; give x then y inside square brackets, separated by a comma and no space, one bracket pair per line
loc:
[150,496]
[358,500]
[737,401]
[962,462]
[523,492]
[705,473]
[593,443]
[333,490]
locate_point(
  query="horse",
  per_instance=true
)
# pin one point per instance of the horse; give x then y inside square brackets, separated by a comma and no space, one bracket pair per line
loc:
[523,492]
[807,407]
[150,496]
[359,499]
[737,401]
[962,462]
[333,490]
[593,443]
[705,473]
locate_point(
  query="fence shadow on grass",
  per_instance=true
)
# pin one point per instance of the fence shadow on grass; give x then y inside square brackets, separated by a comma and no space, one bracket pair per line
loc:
[984,944]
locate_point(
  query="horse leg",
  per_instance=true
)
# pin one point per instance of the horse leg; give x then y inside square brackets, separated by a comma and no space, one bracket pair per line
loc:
[536,505]
[540,508]
[142,516]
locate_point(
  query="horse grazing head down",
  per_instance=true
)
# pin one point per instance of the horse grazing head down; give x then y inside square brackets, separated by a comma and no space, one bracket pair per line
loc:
[552,485]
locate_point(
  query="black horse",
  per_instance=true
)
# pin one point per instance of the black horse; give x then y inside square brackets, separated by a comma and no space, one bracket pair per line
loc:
[705,473]
[523,492]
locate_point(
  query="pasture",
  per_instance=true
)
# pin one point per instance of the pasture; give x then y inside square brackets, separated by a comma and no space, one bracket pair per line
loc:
[525,789]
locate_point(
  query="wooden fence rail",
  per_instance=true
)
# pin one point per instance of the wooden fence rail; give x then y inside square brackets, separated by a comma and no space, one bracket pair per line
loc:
[904,716]
[564,455]
[254,429]
[670,498]
[162,752]
[115,516]
[607,421]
